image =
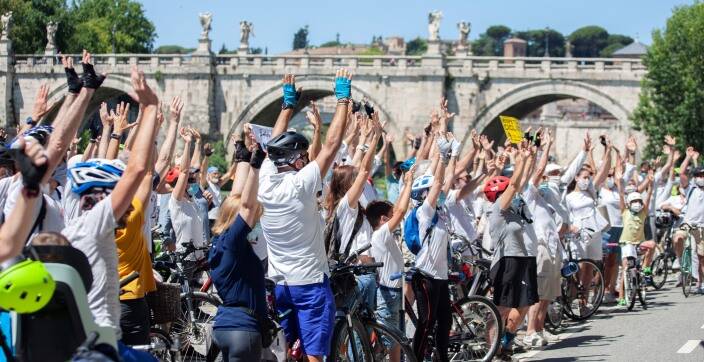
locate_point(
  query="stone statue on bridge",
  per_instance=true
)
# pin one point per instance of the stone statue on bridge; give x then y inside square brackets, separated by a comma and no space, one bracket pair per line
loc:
[51,28]
[434,25]
[463,43]
[246,29]
[6,20]
[205,20]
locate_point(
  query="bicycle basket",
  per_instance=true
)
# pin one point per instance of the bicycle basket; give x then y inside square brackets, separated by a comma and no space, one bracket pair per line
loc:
[343,287]
[663,219]
[165,303]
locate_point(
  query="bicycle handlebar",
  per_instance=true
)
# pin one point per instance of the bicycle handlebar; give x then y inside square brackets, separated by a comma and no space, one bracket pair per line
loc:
[128,279]
[352,257]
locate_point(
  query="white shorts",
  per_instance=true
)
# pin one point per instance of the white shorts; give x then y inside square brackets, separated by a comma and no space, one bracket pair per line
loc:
[588,250]
[628,250]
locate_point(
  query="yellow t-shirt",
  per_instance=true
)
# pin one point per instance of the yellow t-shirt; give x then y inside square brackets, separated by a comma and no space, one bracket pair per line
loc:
[133,255]
[633,227]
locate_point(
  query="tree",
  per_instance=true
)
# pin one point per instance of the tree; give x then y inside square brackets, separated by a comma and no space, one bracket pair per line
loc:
[300,38]
[672,96]
[491,42]
[173,49]
[28,31]
[416,46]
[535,39]
[616,42]
[588,41]
[332,43]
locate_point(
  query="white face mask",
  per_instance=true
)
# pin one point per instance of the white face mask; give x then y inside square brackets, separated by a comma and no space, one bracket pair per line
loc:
[636,207]
[699,181]
[610,182]
[554,179]
[583,184]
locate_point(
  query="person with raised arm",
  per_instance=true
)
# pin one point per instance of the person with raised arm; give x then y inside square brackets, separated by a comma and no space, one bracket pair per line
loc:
[288,186]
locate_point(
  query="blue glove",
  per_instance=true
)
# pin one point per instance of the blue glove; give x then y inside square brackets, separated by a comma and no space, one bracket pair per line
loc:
[343,88]
[291,97]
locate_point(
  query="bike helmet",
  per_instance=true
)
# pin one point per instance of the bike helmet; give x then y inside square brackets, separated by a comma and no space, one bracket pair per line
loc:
[26,287]
[699,170]
[407,164]
[39,133]
[95,173]
[634,196]
[495,186]
[420,186]
[286,147]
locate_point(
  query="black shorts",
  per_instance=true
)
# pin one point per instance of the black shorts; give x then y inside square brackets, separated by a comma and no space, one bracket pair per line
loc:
[515,282]
[134,321]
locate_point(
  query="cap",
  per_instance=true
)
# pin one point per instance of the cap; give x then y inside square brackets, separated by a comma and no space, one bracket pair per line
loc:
[552,167]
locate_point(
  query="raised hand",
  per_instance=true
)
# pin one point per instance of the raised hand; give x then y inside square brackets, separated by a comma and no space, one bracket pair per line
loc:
[195,133]
[185,133]
[90,79]
[291,96]
[690,151]
[160,115]
[175,109]
[587,143]
[631,145]
[677,155]
[41,108]
[670,141]
[105,117]
[72,80]
[408,176]
[119,116]
[313,116]
[343,84]
[486,144]
[142,93]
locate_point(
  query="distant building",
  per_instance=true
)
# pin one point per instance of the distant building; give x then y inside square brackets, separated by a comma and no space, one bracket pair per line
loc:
[634,50]
[395,45]
[515,47]
[344,49]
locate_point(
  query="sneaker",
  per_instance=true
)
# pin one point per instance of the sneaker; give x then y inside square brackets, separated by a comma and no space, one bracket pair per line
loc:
[549,337]
[621,302]
[647,271]
[518,346]
[534,340]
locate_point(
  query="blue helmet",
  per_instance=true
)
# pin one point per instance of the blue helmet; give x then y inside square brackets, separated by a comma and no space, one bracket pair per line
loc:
[39,133]
[420,187]
[95,173]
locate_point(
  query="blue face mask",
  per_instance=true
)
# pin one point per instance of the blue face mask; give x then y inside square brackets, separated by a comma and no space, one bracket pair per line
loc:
[516,203]
[441,199]
[543,189]
[193,189]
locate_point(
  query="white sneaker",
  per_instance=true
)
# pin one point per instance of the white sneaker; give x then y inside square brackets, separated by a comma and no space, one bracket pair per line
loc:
[549,337]
[534,340]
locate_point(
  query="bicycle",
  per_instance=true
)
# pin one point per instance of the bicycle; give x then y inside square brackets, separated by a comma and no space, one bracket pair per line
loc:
[580,302]
[296,352]
[686,262]
[662,264]
[634,281]
[192,331]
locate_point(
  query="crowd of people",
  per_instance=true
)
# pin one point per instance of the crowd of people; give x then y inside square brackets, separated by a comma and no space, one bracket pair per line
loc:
[296,203]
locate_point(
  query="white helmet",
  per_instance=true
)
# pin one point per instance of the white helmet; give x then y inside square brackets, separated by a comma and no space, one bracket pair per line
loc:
[420,186]
[634,196]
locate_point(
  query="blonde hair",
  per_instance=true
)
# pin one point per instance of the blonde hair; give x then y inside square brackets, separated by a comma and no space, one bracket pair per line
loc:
[229,208]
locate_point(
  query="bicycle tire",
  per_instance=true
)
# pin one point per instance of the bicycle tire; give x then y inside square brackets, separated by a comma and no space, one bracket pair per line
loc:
[340,347]
[158,336]
[660,267]
[686,271]
[380,350]
[632,289]
[686,284]
[466,339]
[594,296]
[193,344]
[554,316]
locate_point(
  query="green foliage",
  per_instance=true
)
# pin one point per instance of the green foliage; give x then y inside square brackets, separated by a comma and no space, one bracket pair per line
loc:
[300,38]
[491,42]
[672,93]
[535,39]
[332,43]
[81,24]
[588,41]
[416,46]
[175,49]
[616,42]
[219,157]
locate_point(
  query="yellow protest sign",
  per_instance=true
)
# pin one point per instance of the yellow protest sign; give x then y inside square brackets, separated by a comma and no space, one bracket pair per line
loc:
[512,128]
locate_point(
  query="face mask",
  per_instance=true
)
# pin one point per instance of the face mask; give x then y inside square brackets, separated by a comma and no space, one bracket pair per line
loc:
[441,199]
[699,181]
[610,182]
[676,181]
[543,189]
[193,189]
[554,179]
[516,203]
[583,184]
[636,207]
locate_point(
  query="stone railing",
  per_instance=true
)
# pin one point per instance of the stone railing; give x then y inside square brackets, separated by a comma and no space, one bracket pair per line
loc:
[351,61]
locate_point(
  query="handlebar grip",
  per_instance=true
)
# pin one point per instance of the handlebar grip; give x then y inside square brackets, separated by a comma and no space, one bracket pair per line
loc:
[373,265]
[128,279]
[395,276]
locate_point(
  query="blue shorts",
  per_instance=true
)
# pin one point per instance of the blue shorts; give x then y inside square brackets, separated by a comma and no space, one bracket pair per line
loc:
[611,237]
[388,307]
[366,288]
[312,316]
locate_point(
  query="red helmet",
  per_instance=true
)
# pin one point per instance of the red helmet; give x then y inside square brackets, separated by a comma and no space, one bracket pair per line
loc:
[495,186]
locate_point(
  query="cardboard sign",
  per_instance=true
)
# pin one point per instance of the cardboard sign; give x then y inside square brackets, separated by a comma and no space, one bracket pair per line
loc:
[262,134]
[512,128]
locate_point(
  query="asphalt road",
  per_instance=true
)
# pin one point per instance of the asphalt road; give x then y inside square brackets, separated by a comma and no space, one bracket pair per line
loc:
[671,329]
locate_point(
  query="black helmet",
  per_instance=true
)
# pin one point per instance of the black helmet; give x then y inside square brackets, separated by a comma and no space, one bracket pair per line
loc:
[699,170]
[286,147]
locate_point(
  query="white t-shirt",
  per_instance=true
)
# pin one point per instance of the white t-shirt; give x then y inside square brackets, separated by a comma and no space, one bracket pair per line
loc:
[694,208]
[188,224]
[151,219]
[583,212]
[346,217]
[385,249]
[291,223]
[256,238]
[53,217]
[368,194]
[432,257]
[545,221]
[461,214]
[4,190]
[611,199]
[93,233]
[217,200]
[530,232]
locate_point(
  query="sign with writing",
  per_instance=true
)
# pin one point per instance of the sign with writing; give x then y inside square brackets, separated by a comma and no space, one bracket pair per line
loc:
[262,134]
[512,128]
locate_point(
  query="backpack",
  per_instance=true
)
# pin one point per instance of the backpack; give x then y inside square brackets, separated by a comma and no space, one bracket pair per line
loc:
[411,231]
[333,238]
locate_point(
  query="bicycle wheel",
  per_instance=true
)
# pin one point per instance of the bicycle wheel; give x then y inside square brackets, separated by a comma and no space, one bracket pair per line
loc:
[554,316]
[350,348]
[387,345]
[581,302]
[161,345]
[631,286]
[193,330]
[660,267]
[686,271]
[476,329]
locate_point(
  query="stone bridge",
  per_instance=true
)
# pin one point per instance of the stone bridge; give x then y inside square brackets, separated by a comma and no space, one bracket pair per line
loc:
[222,92]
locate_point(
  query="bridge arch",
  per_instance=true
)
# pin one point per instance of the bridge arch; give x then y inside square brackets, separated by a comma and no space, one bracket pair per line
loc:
[527,97]
[113,86]
[264,108]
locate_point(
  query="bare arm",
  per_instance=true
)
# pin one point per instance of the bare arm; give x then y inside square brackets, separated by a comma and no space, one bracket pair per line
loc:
[337,127]
[166,153]
[403,200]
[106,120]
[540,170]
[355,192]
[515,183]
[197,151]
[121,126]
[131,134]
[313,117]
[603,172]
[248,206]
[285,115]
[179,190]
[684,180]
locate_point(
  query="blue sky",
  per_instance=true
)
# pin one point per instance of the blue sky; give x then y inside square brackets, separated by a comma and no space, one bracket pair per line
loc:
[275,21]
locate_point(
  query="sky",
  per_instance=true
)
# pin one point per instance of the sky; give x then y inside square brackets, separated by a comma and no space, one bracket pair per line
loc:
[275,21]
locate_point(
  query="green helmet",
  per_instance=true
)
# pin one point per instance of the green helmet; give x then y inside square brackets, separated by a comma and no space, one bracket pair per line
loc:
[26,287]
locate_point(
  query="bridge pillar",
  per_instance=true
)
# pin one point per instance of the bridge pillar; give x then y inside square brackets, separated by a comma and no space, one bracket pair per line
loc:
[7,72]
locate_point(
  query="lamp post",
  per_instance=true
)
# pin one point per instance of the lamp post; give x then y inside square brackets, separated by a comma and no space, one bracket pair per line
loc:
[547,50]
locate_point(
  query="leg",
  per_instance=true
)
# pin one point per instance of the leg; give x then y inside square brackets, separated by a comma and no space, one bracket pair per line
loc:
[134,321]
[316,318]
[239,346]
[534,318]
[678,243]
[426,318]
[444,317]
[621,287]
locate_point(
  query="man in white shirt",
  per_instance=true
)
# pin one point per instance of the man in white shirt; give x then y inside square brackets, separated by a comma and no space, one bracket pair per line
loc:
[288,186]
[694,216]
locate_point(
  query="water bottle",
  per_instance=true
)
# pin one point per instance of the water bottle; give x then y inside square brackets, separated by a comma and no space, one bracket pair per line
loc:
[569,269]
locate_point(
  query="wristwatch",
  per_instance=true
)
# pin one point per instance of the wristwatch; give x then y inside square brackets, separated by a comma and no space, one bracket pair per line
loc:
[115,136]
[29,121]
